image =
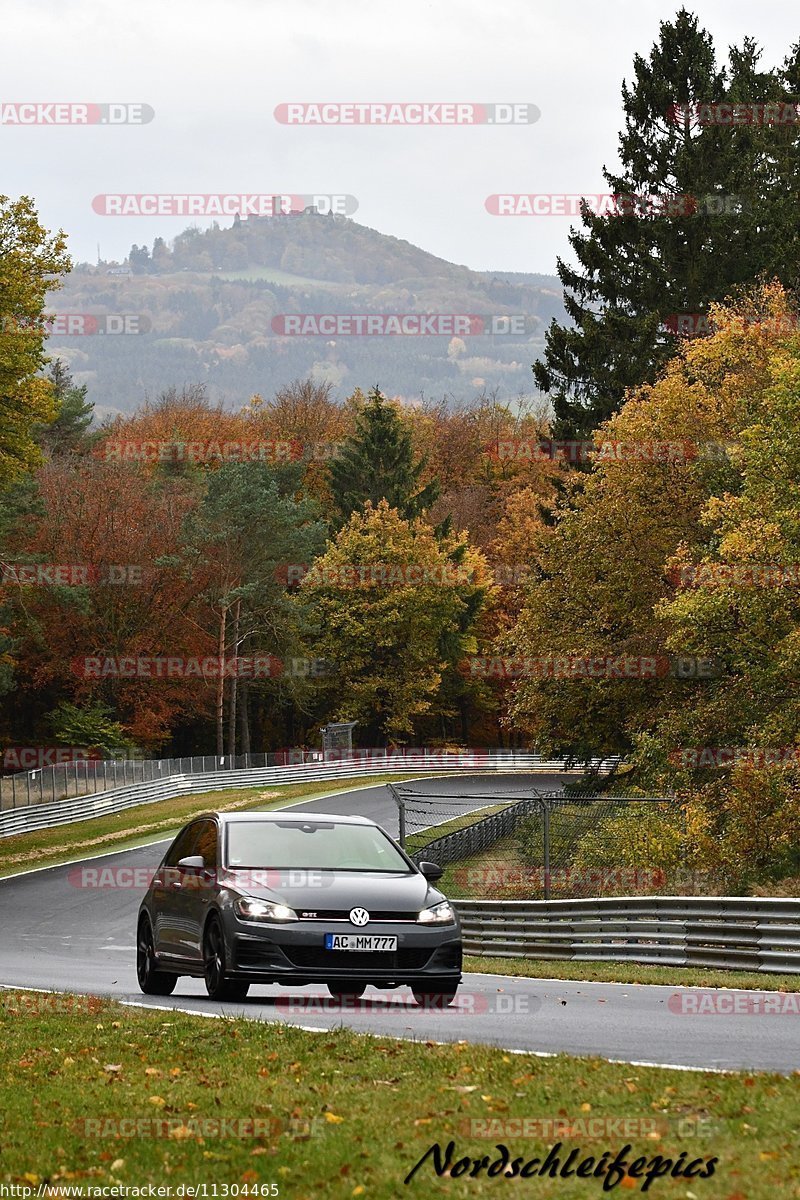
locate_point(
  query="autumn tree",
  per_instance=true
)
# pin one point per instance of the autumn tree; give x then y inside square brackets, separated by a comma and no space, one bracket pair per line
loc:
[31,264]
[716,210]
[110,527]
[395,609]
[251,525]
[377,463]
[735,593]
[601,572]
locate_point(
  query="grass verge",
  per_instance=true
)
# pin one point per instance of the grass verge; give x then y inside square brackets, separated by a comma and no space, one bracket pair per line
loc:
[341,1114]
[627,972]
[418,841]
[153,822]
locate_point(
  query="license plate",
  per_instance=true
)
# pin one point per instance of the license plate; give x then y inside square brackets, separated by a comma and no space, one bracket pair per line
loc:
[359,941]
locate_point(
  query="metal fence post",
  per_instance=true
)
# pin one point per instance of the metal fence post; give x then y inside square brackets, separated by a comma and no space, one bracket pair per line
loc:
[546,837]
[401,814]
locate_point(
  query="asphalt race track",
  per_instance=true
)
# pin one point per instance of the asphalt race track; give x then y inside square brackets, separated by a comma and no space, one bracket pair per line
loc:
[58,935]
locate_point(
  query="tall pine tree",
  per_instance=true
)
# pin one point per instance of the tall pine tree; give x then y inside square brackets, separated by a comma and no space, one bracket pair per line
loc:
[68,432]
[637,268]
[377,463]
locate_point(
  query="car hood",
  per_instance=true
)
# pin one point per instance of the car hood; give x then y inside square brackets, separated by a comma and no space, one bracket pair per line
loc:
[339,891]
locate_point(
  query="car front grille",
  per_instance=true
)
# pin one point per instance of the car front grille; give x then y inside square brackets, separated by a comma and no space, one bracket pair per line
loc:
[337,914]
[393,960]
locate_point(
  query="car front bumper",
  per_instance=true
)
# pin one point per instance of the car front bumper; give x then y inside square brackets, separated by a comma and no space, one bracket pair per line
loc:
[295,953]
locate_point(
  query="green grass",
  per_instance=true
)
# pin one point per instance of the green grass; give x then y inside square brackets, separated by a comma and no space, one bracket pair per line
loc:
[630,972]
[345,1115]
[418,841]
[153,822]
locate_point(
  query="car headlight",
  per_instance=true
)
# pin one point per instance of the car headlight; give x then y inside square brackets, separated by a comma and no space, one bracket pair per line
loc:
[439,914]
[252,909]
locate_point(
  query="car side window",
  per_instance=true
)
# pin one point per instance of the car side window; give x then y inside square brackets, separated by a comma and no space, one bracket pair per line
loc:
[206,844]
[182,847]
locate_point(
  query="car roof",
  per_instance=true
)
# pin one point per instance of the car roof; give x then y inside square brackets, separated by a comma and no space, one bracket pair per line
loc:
[283,815]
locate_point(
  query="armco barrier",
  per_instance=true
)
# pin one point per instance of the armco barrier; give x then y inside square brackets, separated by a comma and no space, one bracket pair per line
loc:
[82,808]
[731,932]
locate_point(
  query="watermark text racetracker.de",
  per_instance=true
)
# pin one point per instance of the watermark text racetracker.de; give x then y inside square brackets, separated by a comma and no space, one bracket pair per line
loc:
[609,204]
[465,1003]
[44,574]
[720,1003]
[179,1127]
[138,879]
[212,452]
[78,325]
[175,666]
[692,758]
[495,878]
[590,666]
[406,113]
[34,758]
[591,1127]
[725,113]
[70,112]
[375,575]
[402,325]
[523,450]
[222,204]
[700,324]
[736,575]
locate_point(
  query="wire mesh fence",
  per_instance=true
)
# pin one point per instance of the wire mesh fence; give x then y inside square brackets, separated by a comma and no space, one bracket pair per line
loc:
[529,845]
[88,776]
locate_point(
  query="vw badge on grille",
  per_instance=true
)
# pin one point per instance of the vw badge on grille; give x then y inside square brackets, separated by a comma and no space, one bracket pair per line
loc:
[359,916]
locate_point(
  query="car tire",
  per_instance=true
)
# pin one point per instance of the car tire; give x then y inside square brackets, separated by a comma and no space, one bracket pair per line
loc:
[435,996]
[151,981]
[354,990]
[218,985]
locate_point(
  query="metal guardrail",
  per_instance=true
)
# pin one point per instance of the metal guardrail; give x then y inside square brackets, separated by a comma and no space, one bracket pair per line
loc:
[730,932]
[63,781]
[81,808]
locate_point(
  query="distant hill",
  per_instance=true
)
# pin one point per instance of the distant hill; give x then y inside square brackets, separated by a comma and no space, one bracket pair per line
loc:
[214,302]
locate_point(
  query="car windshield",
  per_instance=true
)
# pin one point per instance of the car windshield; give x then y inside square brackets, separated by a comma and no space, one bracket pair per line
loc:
[312,845]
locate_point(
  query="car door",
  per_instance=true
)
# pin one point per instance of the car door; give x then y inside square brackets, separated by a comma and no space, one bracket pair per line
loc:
[167,899]
[198,890]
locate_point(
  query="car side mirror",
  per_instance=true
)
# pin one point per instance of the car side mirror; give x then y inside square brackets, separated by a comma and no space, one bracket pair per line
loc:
[193,862]
[431,870]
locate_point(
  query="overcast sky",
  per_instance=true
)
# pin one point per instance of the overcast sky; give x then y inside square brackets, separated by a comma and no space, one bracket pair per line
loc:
[214,73]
